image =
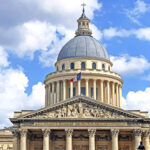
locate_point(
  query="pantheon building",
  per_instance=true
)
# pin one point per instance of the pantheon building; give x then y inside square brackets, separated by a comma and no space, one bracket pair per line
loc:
[82,114]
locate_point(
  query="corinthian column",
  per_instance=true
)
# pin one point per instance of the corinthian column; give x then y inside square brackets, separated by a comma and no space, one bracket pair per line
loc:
[46,133]
[58,91]
[69,139]
[113,93]
[79,87]
[137,138]
[15,139]
[87,87]
[94,88]
[146,141]
[53,90]
[64,89]
[23,142]
[114,134]
[92,139]
[108,92]
[71,89]
[101,85]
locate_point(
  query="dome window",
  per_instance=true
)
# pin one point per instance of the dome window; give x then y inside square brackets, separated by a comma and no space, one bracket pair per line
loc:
[103,67]
[83,65]
[63,67]
[72,65]
[94,65]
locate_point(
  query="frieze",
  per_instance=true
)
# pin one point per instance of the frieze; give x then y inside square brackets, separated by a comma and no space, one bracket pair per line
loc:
[80,110]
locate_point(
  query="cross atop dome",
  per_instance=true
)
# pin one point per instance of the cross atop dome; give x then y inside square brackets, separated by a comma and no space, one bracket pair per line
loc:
[83,6]
[83,24]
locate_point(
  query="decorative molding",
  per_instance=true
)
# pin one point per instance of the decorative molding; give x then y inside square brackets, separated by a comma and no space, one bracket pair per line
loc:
[81,110]
[46,132]
[91,132]
[114,132]
[137,132]
[69,132]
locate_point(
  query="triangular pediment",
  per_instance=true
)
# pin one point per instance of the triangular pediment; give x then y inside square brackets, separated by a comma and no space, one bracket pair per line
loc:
[80,108]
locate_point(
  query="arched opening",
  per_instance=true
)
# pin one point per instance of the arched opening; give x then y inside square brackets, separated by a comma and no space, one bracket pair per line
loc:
[72,66]
[83,65]
[94,65]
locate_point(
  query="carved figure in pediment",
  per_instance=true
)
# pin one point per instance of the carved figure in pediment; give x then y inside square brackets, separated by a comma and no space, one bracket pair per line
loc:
[87,112]
[80,108]
[70,109]
[64,112]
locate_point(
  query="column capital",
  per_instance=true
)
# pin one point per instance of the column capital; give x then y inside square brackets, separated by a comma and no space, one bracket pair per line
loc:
[23,132]
[114,132]
[91,132]
[137,132]
[46,132]
[146,133]
[69,132]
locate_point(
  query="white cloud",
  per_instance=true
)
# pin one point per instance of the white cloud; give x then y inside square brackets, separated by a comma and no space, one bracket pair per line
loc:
[141,33]
[3,58]
[139,9]
[13,96]
[48,26]
[139,100]
[113,32]
[129,65]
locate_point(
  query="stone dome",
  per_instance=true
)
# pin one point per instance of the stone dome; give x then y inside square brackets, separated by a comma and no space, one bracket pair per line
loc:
[83,46]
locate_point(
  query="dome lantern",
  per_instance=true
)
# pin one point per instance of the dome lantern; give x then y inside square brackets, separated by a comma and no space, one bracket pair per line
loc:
[83,24]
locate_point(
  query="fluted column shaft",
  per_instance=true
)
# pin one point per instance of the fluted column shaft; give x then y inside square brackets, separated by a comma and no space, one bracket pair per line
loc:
[79,87]
[53,90]
[94,89]
[108,92]
[120,96]
[101,91]
[137,138]
[114,134]
[69,139]
[92,139]
[15,140]
[87,87]
[58,91]
[146,141]
[71,89]
[49,95]
[113,93]
[46,133]
[23,141]
[64,89]
[117,95]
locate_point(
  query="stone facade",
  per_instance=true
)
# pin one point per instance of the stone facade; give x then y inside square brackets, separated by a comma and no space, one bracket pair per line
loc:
[82,115]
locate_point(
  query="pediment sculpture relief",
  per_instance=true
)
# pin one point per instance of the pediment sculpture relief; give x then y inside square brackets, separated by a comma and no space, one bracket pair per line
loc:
[80,110]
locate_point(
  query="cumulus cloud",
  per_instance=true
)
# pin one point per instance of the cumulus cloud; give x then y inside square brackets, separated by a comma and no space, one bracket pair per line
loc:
[41,25]
[141,33]
[129,65]
[139,100]
[13,96]
[114,32]
[139,9]
[3,58]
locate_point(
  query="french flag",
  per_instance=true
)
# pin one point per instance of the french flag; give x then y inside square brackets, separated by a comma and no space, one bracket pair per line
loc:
[76,78]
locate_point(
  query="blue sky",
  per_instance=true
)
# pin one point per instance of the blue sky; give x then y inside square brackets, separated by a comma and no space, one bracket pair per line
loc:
[32,33]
